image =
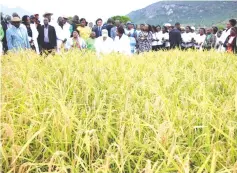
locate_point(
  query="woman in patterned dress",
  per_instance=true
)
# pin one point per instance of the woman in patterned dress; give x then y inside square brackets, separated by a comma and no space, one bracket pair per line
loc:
[145,39]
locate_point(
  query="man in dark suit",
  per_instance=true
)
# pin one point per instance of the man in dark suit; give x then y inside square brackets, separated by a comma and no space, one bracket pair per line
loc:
[175,37]
[47,37]
[98,28]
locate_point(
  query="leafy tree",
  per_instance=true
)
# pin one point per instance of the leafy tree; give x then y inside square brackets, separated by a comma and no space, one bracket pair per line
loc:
[123,19]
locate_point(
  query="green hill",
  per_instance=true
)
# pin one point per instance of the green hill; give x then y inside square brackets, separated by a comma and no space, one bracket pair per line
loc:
[202,13]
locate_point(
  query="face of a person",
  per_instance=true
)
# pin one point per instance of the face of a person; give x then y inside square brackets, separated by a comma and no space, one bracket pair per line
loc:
[163,30]
[36,17]
[46,21]
[28,20]
[228,25]
[83,23]
[208,31]
[76,20]
[117,23]
[130,26]
[64,20]
[75,34]
[49,17]
[32,20]
[145,28]
[60,21]
[201,32]
[99,23]
[91,25]
[187,29]
[158,29]
[16,24]
[93,35]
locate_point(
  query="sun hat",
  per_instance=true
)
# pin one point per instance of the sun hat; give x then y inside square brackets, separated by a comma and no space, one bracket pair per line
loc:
[47,13]
[15,19]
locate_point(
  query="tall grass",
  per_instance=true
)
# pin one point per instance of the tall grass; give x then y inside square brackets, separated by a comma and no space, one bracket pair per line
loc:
[153,113]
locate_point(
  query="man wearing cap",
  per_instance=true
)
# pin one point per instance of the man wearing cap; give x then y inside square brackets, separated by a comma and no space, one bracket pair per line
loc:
[17,37]
[104,44]
[63,34]
[67,26]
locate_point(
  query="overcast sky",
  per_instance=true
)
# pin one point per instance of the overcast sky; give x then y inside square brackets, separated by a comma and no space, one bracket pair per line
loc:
[90,9]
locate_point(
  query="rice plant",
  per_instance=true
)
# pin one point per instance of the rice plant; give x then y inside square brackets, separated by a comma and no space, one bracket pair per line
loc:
[161,112]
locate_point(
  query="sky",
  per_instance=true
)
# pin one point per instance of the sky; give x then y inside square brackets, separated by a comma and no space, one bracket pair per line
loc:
[89,9]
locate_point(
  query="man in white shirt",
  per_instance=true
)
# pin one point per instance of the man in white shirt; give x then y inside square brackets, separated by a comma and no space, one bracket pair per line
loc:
[122,42]
[61,33]
[104,44]
[67,26]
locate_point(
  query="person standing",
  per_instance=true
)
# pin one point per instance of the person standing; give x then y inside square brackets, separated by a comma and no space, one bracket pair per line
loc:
[226,33]
[48,15]
[67,26]
[109,26]
[32,33]
[5,25]
[47,37]
[175,37]
[210,40]
[90,42]
[75,22]
[187,39]
[1,38]
[84,30]
[104,44]
[230,42]
[163,37]
[145,40]
[155,39]
[131,33]
[114,29]
[98,28]
[200,38]
[62,34]
[122,42]
[17,37]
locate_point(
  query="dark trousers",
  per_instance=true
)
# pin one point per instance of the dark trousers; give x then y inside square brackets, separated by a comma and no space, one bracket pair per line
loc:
[46,48]
[154,48]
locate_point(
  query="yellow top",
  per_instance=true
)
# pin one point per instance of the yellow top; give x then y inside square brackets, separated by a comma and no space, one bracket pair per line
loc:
[84,32]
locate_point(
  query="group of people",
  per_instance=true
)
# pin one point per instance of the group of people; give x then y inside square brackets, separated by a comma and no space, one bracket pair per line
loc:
[28,33]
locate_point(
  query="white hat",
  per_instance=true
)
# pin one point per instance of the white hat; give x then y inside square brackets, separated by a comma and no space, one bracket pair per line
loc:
[167,24]
[193,28]
[105,33]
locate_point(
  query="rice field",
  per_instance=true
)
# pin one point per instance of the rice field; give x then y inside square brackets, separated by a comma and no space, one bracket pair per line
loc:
[165,112]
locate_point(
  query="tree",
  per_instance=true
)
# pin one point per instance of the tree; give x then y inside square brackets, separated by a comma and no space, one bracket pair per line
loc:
[123,19]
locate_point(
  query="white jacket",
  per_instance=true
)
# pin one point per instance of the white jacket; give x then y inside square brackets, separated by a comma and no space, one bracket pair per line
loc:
[69,43]
[122,45]
[34,37]
[104,47]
